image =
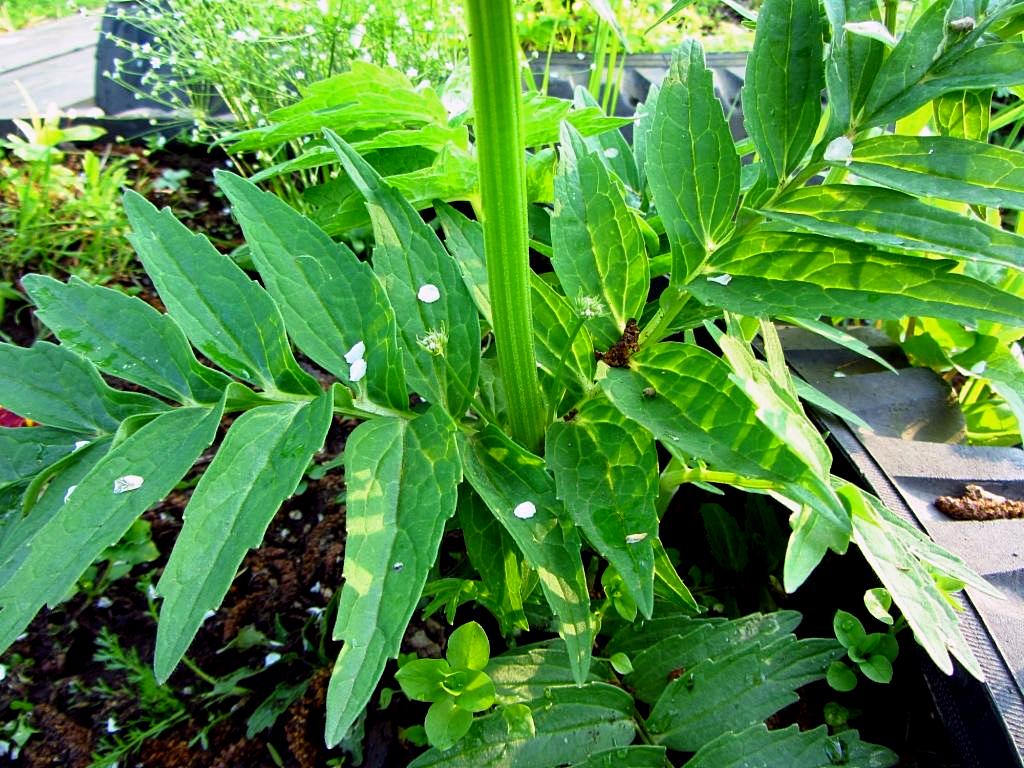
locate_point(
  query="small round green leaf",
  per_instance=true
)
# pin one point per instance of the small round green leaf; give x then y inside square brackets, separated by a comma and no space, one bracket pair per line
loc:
[446,723]
[888,647]
[849,631]
[878,601]
[519,719]
[621,663]
[877,668]
[422,679]
[468,647]
[841,677]
[477,693]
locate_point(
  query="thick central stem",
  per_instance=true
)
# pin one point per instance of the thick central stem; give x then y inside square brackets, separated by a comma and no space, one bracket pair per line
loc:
[494,60]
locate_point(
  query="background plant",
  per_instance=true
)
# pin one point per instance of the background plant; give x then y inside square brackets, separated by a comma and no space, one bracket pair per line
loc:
[520,433]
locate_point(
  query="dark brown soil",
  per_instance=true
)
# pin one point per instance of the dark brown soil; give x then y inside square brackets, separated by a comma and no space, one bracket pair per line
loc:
[978,504]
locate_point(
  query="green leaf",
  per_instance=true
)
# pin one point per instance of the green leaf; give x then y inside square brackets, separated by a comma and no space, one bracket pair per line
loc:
[637,756]
[475,690]
[852,61]
[730,438]
[1004,370]
[849,631]
[792,748]
[521,495]
[964,114]
[468,647]
[569,725]
[598,249]
[611,146]
[144,346]
[944,167]
[878,601]
[495,556]
[465,240]
[408,258]
[421,679]
[553,321]
[227,316]
[55,387]
[800,275]
[621,663]
[736,691]
[606,472]
[259,465]
[97,512]
[877,668]
[840,677]
[525,673]
[543,116]
[672,587]
[894,221]
[903,558]
[691,163]
[668,647]
[782,88]
[330,299]
[402,478]
[446,723]
[24,452]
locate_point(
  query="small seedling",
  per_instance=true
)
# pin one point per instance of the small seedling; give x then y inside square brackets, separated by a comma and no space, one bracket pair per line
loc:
[872,653]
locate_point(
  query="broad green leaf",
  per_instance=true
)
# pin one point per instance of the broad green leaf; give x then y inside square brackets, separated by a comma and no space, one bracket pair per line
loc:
[421,679]
[798,275]
[644,119]
[638,756]
[570,724]
[944,167]
[98,510]
[1004,370]
[902,559]
[964,114]
[446,723]
[465,240]
[606,472]
[543,116]
[523,674]
[553,321]
[852,61]
[699,412]
[330,299]
[495,556]
[26,451]
[597,248]
[366,97]
[671,586]
[521,494]
[258,466]
[729,693]
[402,479]
[782,89]
[669,647]
[691,163]
[144,346]
[227,316]
[792,748]
[409,260]
[996,65]
[51,385]
[894,221]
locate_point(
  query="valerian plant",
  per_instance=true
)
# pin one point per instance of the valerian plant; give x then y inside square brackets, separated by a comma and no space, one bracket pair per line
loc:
[534,444]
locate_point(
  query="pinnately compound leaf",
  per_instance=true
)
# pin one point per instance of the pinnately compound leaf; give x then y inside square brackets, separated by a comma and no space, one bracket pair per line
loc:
[402,479]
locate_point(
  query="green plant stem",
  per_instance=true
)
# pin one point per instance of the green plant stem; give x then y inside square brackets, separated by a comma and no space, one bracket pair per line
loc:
[891,9]
[672,479]
[494,62]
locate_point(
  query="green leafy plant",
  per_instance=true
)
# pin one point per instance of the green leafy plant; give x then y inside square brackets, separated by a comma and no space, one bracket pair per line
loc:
[542,399]
[699,686]
[872,653]
[456,686]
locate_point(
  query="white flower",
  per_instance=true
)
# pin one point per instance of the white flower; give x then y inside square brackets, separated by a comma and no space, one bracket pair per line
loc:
[428,293]
[128,483]
[435,341]
[589,307]
[525,510]
[356,353]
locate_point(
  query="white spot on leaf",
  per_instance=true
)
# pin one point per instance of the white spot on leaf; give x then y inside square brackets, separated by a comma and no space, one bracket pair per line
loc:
[68,492]
[839,150]
[128,483]
[428,293]
[720,279]
[357,371]
[635,538]
[79,444]
[356,353]
[611,153]
[525,510]
[398,566]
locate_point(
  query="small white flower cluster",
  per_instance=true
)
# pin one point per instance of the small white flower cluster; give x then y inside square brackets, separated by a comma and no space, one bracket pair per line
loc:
[589,307]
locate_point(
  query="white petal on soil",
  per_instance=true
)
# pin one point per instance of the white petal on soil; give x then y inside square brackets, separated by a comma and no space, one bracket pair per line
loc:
[428,293]
[128,483]
[635,538]
[357,371]
[525,510]
[356,353]
[721,279]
